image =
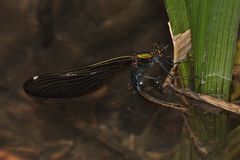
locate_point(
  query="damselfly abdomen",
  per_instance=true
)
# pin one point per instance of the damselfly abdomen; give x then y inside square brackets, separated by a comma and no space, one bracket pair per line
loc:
[79,82]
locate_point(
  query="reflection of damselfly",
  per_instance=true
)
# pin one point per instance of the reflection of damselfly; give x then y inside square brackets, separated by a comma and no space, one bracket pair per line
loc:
[79,82]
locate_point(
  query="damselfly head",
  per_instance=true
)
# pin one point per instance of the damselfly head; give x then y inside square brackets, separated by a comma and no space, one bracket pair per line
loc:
[159,50]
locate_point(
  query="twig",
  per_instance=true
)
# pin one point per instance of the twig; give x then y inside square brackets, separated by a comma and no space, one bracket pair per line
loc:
[218,103]
[162,103]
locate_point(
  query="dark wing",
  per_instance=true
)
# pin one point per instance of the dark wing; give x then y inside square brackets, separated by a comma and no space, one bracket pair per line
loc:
[76,82]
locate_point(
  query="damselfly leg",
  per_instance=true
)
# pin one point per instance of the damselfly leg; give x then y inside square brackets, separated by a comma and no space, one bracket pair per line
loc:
[140,77]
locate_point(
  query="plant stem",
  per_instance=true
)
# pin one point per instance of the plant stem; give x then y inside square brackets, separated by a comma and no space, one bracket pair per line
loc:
[214,27]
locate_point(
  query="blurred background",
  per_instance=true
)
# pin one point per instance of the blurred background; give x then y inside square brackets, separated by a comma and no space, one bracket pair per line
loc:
[39,36]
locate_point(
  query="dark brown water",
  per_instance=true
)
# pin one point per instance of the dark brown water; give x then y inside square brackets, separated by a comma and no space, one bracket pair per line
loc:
[111,124]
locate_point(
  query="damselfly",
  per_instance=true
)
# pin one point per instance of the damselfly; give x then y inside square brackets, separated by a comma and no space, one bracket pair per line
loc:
[82,81]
